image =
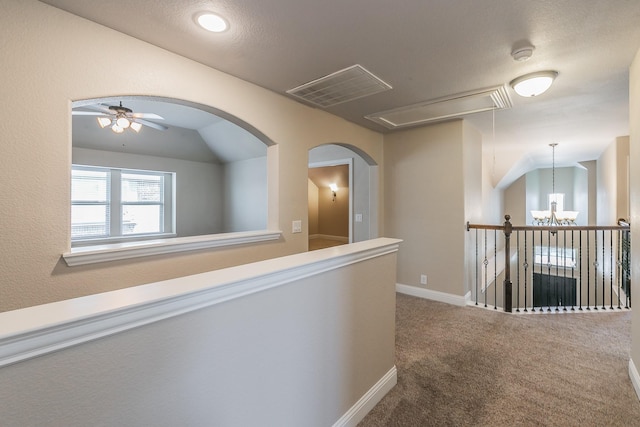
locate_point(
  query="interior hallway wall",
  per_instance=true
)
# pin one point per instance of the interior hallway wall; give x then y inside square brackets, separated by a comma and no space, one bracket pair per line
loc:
[427,202]
[50,60]
[634,185]
[333,216]
[312,194]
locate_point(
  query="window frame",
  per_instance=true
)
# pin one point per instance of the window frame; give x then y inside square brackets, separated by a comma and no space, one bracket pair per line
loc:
[115,207]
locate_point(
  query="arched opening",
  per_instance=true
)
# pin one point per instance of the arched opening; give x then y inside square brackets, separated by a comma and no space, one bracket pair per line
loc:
[176,169]
[355,202]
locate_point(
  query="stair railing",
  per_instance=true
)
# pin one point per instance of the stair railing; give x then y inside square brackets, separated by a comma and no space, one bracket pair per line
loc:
[560,268]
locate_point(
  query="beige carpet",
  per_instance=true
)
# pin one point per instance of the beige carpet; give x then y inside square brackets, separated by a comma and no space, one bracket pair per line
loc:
[464,366]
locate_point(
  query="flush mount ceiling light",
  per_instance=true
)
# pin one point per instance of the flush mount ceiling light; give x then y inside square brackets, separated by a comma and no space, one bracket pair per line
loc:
[533,84]
[212,22]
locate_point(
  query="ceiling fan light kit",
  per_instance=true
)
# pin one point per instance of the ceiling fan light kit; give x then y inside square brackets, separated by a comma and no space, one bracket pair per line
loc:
[119,118]
[533,84]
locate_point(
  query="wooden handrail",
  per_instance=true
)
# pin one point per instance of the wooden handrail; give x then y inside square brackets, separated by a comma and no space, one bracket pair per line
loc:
[623,226]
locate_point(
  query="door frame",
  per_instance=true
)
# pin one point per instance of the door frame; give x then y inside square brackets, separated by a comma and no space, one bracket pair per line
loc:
[337,162]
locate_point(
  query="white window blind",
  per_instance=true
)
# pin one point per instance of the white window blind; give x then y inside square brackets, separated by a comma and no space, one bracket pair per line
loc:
[108,203]
[142,203]
[90,207]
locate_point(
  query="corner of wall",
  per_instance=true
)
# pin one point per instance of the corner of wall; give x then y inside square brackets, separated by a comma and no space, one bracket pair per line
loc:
[634,187]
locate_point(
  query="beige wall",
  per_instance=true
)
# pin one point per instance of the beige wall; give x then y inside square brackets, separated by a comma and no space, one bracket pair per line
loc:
[49,60]
[425,203]
[634,185]
[312,194]
[592,178]
[333,217]
[613,182]
[515,201]
[493,198]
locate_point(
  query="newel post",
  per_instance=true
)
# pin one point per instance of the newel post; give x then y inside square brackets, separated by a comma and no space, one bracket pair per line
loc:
[508,305]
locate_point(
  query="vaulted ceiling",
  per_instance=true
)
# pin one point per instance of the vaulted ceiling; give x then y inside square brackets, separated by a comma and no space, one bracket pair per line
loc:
[426,50]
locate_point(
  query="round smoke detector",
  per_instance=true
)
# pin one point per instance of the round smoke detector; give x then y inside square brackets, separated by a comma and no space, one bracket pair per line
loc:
[522,53]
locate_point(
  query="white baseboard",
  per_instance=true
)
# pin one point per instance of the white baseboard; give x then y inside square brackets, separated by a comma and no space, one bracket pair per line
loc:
[433,295]
[343,239]
[635,377]
[366,403]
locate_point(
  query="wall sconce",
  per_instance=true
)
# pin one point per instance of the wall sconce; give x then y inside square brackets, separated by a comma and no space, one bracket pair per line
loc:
[333,188]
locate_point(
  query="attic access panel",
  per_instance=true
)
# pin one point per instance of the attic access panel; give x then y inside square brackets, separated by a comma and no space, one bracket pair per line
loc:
[496,98]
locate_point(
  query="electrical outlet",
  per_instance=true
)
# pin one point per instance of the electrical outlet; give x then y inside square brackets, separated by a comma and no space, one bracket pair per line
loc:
[358,217]
[423,279]
[296,226]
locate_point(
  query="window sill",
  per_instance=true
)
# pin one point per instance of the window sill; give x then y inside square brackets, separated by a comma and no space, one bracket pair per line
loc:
[117,251]
[120,239]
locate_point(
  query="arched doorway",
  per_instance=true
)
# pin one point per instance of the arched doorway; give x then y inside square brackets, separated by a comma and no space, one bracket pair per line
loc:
[356,198]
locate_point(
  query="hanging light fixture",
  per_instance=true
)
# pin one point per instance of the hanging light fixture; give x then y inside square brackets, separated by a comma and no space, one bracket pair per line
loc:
[119,123]
[553,217]
[533,84]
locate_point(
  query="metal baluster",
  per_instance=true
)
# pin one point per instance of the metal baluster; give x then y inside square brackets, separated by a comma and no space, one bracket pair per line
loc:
[619,264]
[573,267]
[603,272]
[564,267]
[526,265]
[627,252]
[477,266]
[541,267]
[588,271]
[611,269]
[495,269]
[518,272]
[548,268]
[580,271]
[558,299]
[485,262]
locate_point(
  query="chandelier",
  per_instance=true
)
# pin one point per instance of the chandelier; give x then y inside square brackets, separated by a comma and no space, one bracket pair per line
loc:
[554,217]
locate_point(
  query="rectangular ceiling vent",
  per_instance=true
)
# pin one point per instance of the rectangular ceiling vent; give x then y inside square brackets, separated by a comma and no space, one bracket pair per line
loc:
[496,98]
[342,86]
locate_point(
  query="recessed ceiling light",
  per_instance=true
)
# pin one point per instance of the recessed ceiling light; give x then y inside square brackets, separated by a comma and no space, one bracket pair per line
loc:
[212,22]
[533,84]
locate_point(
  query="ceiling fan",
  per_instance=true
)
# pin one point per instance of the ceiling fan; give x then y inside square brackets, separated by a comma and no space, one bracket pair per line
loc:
[119,118]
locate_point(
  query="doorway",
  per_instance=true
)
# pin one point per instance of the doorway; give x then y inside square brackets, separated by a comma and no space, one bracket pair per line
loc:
[330,196]
[362,188]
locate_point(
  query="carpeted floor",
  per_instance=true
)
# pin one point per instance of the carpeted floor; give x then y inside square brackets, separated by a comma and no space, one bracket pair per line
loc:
[465,366]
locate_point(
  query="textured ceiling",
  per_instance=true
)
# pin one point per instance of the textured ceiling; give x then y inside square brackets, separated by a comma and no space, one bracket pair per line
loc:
[425,49]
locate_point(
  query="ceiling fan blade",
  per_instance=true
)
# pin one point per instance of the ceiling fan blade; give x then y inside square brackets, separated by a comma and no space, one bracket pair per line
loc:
[151,124]
[100,107]
[87,113]
[147,116]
